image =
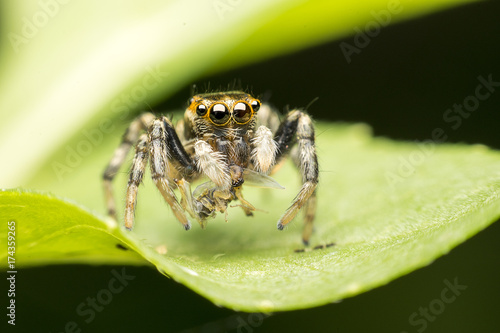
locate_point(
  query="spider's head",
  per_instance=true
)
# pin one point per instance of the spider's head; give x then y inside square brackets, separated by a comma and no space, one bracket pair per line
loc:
[224,109]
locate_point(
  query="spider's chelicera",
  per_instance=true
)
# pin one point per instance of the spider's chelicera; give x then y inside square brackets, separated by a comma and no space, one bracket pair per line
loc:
[228,137]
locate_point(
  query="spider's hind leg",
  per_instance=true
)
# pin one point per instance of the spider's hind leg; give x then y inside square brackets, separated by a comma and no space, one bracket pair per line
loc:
[129,138]
[136,175]
[298,128]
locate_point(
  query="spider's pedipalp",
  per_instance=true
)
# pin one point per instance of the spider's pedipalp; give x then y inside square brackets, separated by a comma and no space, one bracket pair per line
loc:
[213,164]
[265,149]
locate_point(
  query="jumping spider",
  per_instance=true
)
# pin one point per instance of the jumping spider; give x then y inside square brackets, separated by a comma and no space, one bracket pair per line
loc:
[227,137]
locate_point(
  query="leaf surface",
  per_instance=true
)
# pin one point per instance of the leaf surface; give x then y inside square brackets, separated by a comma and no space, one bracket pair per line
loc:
[390,208]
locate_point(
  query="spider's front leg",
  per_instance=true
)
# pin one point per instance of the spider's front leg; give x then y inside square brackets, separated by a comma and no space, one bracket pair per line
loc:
[298,128]
[165,148]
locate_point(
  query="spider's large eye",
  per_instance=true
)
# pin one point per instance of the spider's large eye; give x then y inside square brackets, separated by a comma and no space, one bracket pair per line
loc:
[255,105]
[242,113]
[201,110]
[219,114]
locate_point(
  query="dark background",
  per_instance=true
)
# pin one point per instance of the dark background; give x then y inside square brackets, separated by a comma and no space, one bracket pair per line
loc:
[401,84]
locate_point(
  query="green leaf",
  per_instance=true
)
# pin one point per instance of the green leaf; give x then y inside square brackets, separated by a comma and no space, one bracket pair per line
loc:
[48,230]
[390,208]
[75,63]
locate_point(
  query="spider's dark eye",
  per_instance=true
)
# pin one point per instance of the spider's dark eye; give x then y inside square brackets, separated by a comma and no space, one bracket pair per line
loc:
[242,113]
[201,110]
[255,106]
[219,114]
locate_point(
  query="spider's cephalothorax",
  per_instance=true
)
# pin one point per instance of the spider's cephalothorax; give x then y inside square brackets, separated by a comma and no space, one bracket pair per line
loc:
[228,137]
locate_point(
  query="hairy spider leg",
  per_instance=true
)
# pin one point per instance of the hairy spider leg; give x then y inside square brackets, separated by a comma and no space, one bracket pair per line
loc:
[129,138]
[164,144]
[298,128]
[136,174]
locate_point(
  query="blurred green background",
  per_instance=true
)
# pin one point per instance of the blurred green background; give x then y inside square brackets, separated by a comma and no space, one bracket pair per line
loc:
[401,84]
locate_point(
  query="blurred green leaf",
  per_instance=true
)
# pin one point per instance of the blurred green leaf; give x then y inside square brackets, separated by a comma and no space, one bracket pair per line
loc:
[67,64]
[390,207]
